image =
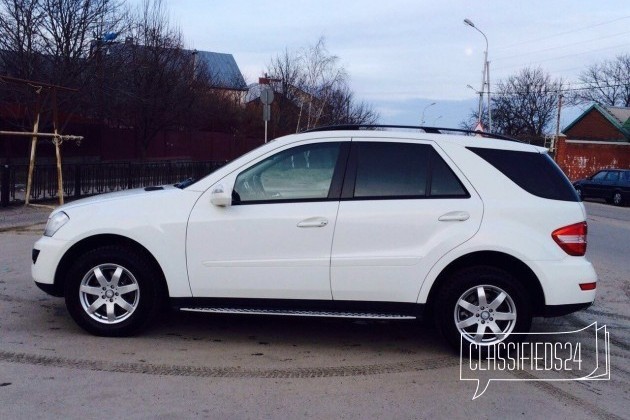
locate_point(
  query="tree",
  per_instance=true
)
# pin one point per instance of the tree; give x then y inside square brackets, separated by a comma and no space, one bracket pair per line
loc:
[20,41]
[605,83]
[50,41]
[523,106]
[159,81]
[312,89]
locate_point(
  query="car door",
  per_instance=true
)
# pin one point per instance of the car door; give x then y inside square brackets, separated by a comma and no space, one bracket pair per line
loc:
[609,184]
[593,186]
[274,240]
[402,208]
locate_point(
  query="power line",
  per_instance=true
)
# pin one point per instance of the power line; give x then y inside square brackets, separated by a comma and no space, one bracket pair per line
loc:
[558,47]
[563,33]
[556,91]
[566,56]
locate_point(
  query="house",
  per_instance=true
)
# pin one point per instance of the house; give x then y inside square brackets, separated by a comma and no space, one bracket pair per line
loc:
[597,139]
[224,70]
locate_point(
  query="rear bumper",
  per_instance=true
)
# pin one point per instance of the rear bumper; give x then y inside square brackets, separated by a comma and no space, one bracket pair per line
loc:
[561,310]
[560,281]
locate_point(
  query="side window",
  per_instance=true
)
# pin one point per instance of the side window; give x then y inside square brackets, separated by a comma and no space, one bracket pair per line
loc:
[600,176]
[612,176]
[300,173]
[391,170]
[444,182]
[403,170]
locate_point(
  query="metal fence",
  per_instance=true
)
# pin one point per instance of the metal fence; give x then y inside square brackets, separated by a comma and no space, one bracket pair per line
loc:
[95,178]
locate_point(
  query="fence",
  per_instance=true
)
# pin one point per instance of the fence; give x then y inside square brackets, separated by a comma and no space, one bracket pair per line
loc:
[89,179]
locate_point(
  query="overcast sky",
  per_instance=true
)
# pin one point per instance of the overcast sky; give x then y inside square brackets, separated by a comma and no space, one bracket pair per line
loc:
[404,55]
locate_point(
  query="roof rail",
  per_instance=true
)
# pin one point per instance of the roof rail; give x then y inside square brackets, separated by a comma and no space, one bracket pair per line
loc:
[431,130]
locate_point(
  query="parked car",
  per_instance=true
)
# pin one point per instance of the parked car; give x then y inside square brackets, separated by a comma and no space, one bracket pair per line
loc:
[480,233]
[613,185]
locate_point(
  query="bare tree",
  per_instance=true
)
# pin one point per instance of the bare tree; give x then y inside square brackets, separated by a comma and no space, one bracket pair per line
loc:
[286,71]
[313,89]
[50,41]
[20,41]
[523,106]
[342,108]
[606,83]
[160,81]
[322,76]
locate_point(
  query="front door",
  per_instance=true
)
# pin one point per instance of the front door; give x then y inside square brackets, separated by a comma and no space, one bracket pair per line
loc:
[274,240]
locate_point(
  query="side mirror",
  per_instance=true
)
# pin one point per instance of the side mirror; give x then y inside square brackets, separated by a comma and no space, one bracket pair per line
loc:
[220,197]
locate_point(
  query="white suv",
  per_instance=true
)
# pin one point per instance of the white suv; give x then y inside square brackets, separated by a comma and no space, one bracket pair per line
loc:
[480,232]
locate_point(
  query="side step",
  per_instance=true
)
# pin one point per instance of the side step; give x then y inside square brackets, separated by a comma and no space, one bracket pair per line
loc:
[324,314]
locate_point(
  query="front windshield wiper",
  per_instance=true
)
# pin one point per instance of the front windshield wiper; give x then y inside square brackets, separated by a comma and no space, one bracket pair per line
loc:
[183,184]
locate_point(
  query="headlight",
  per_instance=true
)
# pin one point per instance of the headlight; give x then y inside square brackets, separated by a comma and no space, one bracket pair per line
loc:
[55,222]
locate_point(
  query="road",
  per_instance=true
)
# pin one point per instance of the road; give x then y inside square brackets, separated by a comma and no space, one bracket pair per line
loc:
[220,366]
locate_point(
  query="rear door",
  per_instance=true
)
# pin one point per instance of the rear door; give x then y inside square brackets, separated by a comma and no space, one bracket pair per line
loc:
[610,184]
[402,208]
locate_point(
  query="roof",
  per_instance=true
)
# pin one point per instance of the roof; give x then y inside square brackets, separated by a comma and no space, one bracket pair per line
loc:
[619,117]
[621,114]
[224,69]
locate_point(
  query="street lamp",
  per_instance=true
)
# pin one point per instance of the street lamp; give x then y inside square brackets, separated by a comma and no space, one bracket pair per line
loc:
[485,76]
[423,110]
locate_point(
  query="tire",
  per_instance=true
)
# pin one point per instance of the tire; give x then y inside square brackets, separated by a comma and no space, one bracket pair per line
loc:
[112,291]
[459,302]
[617,198]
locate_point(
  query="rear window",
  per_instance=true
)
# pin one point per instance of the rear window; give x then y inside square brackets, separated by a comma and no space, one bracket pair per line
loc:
[536,173]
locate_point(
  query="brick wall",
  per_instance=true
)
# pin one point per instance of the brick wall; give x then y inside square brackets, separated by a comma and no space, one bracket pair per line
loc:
[581,158]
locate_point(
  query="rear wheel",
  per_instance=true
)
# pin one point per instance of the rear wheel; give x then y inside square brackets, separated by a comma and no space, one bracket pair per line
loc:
[617,199]
[112,291]
[483,306]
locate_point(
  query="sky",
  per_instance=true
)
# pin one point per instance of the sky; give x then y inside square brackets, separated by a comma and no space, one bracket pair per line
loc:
[402,56]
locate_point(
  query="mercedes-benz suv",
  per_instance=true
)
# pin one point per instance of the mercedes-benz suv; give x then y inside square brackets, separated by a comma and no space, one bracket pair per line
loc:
[479,232]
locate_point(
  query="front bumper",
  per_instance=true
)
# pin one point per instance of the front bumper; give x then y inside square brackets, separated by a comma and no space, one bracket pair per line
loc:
[46,255]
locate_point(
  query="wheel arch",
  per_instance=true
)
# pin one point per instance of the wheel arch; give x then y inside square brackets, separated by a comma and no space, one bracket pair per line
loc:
[95,241]
[501,260]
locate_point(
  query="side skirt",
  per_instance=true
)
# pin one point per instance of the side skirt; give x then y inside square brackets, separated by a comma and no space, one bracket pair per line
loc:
[287,307]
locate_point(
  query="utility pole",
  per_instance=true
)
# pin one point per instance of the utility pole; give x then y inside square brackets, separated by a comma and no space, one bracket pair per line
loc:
[485,78]
[553,141]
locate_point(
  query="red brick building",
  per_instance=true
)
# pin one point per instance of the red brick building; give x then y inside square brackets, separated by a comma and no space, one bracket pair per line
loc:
[597,139]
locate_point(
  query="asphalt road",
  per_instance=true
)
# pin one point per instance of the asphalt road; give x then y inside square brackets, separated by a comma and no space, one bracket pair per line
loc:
[219,366]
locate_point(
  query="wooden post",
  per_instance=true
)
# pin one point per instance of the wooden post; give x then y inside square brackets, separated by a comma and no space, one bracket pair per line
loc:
[57,140]
[31,164]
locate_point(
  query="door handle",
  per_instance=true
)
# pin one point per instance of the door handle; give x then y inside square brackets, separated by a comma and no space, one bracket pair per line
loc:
[313,222]
[454,216]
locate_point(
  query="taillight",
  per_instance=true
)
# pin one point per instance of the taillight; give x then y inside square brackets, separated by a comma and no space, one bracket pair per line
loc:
[572,238]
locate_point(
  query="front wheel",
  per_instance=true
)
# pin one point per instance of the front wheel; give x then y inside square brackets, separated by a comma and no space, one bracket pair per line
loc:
[617,199]
[112,291]
[482,306]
